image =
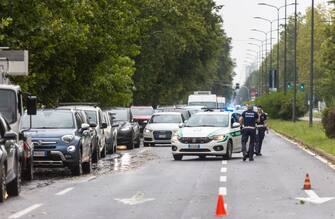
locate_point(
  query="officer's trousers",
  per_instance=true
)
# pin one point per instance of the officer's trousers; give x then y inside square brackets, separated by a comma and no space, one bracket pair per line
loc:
[259,139]
[246,133]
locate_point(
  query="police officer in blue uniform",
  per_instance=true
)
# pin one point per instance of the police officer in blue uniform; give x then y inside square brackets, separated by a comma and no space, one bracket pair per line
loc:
[248,121]
[261,129]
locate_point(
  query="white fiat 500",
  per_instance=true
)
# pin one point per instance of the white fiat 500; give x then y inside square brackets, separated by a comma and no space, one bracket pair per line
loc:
[208,134]
[161,127]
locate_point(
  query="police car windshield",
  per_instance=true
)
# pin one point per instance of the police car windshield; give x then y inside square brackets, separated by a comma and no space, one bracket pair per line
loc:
[50,119]
[208,120]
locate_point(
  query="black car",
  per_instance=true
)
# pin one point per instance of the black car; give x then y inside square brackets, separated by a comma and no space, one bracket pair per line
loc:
[61,138]
[10,161]
[128,132]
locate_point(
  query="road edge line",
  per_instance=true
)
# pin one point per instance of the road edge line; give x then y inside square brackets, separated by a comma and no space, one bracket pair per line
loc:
[24,211]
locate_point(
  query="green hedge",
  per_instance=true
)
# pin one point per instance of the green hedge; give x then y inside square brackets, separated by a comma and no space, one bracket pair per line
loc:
[279,106]
[328,122]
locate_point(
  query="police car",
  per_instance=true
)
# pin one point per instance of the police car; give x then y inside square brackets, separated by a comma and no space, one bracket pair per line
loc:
[208,134]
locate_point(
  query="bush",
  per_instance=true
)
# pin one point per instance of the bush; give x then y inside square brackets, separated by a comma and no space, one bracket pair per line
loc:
[328,122]
[279,106]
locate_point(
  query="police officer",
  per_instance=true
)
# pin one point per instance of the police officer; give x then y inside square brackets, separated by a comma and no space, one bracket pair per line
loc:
[248,121]
[261,129]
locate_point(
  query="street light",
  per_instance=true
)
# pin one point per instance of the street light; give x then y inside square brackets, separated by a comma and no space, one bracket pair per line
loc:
[278,32]
[311,94]
[261,67]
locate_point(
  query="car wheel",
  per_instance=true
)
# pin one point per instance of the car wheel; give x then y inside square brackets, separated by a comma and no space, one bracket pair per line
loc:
[3,183]
[95,154]
[229,151]
[29,173]
[87,166]
[14,187]
[177,157]
[77,169]
[103,152]
[130,145]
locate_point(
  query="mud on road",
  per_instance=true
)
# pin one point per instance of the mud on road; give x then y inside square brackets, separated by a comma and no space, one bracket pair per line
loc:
[121,161]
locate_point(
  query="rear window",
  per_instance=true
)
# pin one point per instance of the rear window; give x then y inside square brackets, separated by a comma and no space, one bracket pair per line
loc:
[50,119]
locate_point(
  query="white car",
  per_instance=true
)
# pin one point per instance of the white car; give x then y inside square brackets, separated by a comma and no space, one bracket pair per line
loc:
[161,127]
[208,134]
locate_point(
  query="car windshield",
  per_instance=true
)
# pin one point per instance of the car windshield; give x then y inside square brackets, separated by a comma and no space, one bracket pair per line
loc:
[92,116]
[166,119]
[120,115]
[8,105]
[49,119]
[210,105]
[208,120]
[145,111]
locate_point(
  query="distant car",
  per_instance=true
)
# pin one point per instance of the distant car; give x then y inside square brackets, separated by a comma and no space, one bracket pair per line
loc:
[61,139]
[185,112]
[142,115]
[128,131]
[194,109]
[95,118]
[110,132]
[161,128]
[10,161]
[208,134]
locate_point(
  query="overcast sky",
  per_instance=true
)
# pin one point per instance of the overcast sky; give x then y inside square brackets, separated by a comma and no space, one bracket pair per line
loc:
[238,20]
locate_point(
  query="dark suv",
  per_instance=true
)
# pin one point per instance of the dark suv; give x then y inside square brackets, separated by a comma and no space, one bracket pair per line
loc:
[10,161]
[61,139]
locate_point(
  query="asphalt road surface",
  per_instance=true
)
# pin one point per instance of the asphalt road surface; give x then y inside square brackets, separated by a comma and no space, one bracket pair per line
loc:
[148,183]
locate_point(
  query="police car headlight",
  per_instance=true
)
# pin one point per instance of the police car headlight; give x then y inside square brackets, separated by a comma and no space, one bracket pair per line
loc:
[67,138]
[218,137]
[175,138]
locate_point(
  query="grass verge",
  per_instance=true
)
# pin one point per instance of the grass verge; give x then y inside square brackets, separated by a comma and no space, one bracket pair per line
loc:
[312,137]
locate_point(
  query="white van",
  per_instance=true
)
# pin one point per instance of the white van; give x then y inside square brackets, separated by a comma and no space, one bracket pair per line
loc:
[221,102]
[203,98]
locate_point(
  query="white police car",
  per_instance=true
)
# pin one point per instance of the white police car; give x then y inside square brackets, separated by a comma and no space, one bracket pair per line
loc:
[208,134]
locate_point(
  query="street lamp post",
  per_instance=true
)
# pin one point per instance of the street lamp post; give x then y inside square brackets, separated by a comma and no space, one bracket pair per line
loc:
[295,66]
[311,94]
[260,56]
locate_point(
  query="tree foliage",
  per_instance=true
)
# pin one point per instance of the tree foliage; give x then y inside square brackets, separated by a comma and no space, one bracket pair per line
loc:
[110,51]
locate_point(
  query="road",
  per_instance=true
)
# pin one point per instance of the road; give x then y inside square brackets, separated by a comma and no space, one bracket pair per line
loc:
[147,183]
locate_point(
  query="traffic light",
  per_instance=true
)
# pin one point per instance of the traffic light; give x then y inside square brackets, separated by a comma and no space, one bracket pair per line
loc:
[302,87]
[289,85]
[237,86]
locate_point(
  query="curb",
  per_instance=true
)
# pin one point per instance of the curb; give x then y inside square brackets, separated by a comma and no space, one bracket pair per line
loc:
[330,158]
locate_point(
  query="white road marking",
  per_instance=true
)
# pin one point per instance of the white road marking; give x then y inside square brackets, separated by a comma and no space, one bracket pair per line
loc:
[63,192]
[223,191]
[224,162]
[136,199]
[24,211]
[314,198]
[223,169]
[88,179]
[223,178]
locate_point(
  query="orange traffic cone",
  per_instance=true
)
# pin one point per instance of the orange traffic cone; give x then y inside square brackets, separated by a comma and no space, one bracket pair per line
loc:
[220,208]
[307,183]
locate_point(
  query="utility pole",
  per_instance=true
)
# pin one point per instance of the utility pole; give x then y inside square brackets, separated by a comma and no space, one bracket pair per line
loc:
[311,94]
[295,65]
[285,50]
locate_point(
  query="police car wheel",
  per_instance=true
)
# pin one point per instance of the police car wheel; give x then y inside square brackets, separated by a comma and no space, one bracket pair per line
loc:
[229,151]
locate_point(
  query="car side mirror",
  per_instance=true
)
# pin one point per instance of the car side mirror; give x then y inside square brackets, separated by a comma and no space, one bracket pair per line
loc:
[10,136]
[104,125]
[93,125]
[32,105]
[236,125]
[84,126]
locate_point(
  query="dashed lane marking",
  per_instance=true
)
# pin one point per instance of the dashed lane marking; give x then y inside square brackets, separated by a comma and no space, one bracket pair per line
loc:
[223,169]
[224,162]
[24,211]
[223,191]
[88,179]
[223,178]
[63,192]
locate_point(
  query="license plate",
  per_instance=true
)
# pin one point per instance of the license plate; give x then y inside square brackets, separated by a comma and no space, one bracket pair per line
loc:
[193,146]
[162,136]
[39,153]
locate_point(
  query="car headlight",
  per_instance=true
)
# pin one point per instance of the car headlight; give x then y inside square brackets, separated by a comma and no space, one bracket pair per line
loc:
[127,128]
[147,130]
[67,138]
[175,138]
[218,137]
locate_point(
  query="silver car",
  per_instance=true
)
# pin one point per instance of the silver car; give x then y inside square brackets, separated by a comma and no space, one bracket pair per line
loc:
[161,127]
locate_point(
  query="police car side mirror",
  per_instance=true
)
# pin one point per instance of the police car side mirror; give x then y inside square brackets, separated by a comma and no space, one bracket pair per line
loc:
[236,125]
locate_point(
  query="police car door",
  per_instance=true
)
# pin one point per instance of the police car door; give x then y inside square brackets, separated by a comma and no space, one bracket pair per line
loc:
[236,132]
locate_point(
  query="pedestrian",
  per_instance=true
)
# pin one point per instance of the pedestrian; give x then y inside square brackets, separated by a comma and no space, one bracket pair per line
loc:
[248,121]
[261,129]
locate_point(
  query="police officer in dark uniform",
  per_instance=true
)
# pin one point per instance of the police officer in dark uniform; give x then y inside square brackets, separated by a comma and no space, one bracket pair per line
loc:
[248,121]
[261,129]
